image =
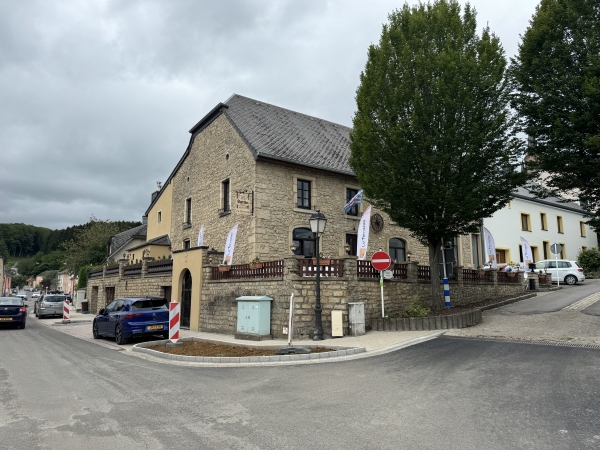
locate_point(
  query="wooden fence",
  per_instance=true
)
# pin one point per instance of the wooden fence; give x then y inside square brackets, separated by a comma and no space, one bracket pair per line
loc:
[307,267]
[268,269]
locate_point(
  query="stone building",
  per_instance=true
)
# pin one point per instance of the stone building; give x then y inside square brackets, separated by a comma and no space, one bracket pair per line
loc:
[267,169]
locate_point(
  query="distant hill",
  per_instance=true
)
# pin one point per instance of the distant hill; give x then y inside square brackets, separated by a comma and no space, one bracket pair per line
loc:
[21,240]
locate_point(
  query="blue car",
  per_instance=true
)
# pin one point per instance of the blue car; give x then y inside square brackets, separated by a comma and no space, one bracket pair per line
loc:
[125,318]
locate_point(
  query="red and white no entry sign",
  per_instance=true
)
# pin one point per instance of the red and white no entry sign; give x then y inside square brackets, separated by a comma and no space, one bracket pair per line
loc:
[380,261]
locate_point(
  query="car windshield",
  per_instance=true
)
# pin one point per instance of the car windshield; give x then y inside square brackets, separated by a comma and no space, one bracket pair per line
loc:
[54,298]
[10,301]
[149,304]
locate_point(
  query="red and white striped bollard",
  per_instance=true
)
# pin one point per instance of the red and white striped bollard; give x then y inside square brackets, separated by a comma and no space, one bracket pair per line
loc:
[174,321]
[66,312]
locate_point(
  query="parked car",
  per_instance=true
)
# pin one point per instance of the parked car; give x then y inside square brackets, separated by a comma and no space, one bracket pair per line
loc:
[49,305]
[22,295]
[125,318]
[35,295]
[13,311]
[567,271]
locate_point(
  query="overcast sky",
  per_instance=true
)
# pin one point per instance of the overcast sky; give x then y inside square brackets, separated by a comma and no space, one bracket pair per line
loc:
[97,96]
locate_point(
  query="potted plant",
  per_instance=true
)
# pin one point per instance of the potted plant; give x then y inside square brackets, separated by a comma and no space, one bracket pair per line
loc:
[512,269]
[223,267]
[256,264]
[322,261]
[542,276]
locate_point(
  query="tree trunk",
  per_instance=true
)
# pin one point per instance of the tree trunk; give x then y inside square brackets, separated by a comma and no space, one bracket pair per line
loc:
[434,270]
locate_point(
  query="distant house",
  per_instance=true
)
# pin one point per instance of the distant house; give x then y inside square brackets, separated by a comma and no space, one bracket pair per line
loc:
[157,248]
[541,222]
[51,274]
[119,244]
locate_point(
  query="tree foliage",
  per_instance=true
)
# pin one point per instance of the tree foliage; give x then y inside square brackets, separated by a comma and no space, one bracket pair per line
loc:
[18,281]
[89,246]
[589,259]
[434,143]
[556,77]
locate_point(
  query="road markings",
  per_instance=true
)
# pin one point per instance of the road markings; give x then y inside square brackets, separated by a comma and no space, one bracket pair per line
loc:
[583,303]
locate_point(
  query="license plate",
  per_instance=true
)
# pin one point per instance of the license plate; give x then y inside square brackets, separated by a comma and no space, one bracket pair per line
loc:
[5,318]
[154,327]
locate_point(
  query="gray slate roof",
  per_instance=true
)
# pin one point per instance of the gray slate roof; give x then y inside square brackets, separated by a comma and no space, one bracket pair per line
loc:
[119,240]
[524,194]
[274,132]
[160,240]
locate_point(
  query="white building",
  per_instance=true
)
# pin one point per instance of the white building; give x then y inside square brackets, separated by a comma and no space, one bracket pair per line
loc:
[541,222]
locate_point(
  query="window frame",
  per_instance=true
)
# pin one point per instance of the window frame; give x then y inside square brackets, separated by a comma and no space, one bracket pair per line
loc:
[226,195]
[560,224]
[187,218]
[187,244]
[308,190]
[354,209]
[159,216]
[582,231]
[527,218]
[563,251]
[543,221]
[396,249]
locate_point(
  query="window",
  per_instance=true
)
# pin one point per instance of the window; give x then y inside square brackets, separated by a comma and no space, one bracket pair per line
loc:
[188,210]
[303,194]
[304,241]
[350,193]
[225,189]
[525,222]
[501,256]
[564,264]
[352,241]
[475,250]
[149,305]
[546,246]
[159,217]
[563,251]
[582,228]
[397,250]
[559,224]
[186,244]
[543,222]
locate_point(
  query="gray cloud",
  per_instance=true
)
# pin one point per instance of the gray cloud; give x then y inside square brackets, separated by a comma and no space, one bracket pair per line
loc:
[96,97]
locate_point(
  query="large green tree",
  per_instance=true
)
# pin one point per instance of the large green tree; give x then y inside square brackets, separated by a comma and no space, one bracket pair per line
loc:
[89,246]
[557,94]
[433,143]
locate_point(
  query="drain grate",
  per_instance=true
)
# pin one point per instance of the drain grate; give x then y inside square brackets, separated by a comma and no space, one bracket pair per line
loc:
[520,341]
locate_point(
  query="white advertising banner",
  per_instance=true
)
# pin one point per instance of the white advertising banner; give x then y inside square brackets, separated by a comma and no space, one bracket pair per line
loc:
[527,254]
[229,245]
[201,236]
[363,235]
[490,248]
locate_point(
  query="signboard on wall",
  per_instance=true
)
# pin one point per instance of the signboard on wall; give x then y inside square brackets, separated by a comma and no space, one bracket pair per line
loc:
[244,202]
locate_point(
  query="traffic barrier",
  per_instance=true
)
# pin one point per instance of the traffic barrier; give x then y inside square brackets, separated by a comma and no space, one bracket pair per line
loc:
[174,321]
[66,312]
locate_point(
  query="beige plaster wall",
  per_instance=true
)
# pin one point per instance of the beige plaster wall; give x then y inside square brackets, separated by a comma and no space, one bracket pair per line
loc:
[191,260]
[164,204]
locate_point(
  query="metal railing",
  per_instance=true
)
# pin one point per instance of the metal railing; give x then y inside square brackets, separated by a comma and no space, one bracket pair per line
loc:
[423,273]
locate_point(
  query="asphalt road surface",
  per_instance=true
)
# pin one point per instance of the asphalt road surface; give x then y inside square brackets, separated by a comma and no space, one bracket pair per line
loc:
[60,392]
[553,301]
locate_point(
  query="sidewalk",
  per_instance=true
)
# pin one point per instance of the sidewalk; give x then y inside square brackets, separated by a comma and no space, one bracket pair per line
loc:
[374,342]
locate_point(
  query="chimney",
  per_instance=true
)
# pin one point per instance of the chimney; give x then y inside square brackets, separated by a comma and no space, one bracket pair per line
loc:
[154,195]
[144,220]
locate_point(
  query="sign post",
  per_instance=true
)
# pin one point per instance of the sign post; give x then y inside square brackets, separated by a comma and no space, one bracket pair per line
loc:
[556,249]
[174,321]
[446,282]
[381,261]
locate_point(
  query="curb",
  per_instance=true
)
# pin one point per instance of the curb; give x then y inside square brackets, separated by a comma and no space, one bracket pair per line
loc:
[448,322]
[285,360]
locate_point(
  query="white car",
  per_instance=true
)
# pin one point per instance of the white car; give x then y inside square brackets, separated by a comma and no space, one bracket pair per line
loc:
[569,272]
[35,295]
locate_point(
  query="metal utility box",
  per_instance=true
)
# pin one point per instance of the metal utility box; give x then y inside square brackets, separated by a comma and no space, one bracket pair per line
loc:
[253,317]
[337,328]
[356,318]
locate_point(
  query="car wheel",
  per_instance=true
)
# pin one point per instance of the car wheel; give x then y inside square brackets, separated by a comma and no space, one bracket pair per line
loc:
[95,331]
[571,279]
[119,338]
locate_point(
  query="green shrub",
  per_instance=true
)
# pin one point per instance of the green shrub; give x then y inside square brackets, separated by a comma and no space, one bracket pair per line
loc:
[416,308]
[589,259]
[83,275]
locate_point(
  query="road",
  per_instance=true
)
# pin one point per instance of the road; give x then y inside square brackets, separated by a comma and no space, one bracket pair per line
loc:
[552,301]
[60,392]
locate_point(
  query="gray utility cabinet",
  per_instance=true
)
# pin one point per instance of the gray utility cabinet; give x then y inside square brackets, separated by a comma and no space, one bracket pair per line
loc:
[356,318]
[254,315]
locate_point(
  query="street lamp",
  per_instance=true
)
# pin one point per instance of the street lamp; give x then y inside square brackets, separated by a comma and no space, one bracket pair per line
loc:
[317,224]
[409,255]
[347,248]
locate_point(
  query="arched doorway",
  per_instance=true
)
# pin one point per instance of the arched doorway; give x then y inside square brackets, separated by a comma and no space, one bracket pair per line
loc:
[186,299]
